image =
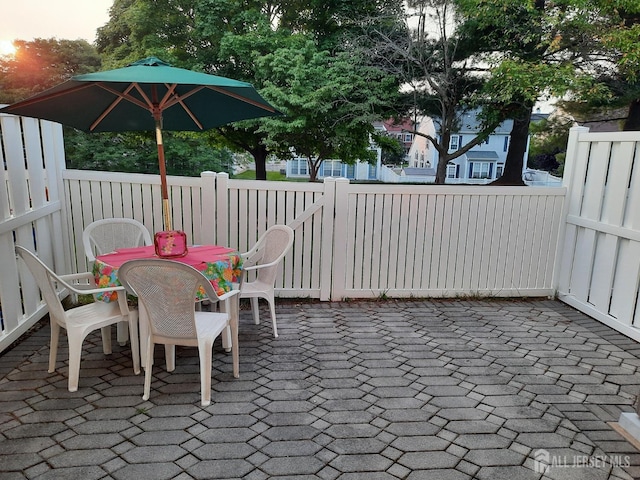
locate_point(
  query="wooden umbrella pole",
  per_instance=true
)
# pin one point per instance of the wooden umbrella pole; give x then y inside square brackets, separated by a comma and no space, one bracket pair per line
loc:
[163,176]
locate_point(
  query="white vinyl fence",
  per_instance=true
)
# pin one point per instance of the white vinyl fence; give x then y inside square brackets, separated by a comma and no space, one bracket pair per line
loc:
[351,240]
[599,267]
[32,214]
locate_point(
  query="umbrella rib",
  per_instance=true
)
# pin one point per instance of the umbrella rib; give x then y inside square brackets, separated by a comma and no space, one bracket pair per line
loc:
[40,98]
[171,98]
[241,98]
[121,96]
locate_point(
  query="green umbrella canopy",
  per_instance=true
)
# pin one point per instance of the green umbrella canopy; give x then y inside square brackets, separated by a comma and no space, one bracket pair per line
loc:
[142,96]
[126,99]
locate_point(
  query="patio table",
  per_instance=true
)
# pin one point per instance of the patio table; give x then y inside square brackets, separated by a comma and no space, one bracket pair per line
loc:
[222,266]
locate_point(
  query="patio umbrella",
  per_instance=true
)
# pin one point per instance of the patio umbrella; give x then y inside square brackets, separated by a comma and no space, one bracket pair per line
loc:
[143,94]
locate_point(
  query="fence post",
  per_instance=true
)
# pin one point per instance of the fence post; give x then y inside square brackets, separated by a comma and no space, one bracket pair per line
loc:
[326,245]
[208,194]
[221,212]
[573,158]
[340,224]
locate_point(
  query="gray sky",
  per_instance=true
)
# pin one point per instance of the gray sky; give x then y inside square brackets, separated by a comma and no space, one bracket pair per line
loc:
[62,19]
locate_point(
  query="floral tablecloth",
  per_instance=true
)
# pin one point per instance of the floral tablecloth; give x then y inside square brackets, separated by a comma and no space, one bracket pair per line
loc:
[222,266]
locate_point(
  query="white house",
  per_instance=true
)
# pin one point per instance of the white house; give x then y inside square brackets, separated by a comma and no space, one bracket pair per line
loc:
[484,162]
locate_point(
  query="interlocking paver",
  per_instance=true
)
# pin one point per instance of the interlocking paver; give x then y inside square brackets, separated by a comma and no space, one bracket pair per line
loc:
[414,389]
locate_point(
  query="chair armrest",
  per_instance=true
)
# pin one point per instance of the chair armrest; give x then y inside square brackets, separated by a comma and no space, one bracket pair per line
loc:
[262,265]
[228,295]
[78,276]
[86,289]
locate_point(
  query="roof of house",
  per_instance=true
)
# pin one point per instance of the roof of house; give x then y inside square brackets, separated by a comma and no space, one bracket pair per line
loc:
[469,124]
[482,155]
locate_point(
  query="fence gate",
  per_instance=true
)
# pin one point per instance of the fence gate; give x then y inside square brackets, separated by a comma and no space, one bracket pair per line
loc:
[598,265]
[31,214]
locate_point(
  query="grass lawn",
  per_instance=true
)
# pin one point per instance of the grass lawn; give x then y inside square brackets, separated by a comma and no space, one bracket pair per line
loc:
[271,176]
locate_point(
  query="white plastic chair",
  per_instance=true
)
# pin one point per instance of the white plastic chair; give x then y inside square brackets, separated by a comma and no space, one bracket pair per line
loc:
[109,234]
[167,291]
[82,320]
[264,258]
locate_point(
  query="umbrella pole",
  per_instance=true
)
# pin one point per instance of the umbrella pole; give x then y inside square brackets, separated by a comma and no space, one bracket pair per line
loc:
[163,177]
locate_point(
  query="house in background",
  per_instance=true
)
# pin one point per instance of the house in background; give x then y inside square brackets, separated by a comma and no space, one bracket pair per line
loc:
[484,162]
[422,152]
[481,164]
[298,168]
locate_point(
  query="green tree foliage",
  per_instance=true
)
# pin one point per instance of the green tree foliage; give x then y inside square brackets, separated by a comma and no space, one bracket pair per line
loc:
[228,38]
[537,48]
[186,153]
[548,145]
[330,103]
[42,63]
[612,37]
[435,62]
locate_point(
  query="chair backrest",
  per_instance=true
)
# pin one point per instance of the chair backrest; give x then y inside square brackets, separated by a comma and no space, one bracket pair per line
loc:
[109,234]
[46,280]
[167,290]
[271,247]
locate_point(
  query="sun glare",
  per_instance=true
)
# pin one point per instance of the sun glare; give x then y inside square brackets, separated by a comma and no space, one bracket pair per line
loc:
[7,48]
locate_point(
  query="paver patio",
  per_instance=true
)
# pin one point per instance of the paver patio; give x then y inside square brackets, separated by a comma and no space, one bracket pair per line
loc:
[416,389]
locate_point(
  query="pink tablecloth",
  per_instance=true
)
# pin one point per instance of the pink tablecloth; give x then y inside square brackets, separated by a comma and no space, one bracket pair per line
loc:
[221,265]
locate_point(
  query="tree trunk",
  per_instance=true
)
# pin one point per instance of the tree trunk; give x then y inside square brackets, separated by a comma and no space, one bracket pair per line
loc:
[441,170]
[313,169]
[260,160]
[514,162]
[632,123]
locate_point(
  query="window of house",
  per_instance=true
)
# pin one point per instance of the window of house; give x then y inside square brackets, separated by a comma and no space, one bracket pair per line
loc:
[455,142]
[372,172]
[480,170]
[506,144]
[351,171]
[408,137]
[452,171]
[298,167]
[332,168]
[499,169]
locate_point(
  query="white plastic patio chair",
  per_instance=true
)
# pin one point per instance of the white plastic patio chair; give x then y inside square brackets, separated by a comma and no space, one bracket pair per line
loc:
[109,234]
[82,320]
[167,291]
[263,259]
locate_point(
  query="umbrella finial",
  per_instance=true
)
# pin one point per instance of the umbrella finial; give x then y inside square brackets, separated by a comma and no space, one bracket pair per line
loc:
[150,62]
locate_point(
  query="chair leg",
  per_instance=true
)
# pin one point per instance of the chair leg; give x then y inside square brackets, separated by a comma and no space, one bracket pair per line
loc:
[75,337]
[205,350]
[135,341]
[149,347]
[235,347]
[53,346]
[225,336]
[106,339]
[254,309]
[272,309]
[123,333]
[170,357]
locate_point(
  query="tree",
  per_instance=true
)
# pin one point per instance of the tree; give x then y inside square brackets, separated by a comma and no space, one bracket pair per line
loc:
[614,34]
[187,153]
[537,48]
[227,37]
[435,62]
[548,145]
[330,102]
[42,63]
